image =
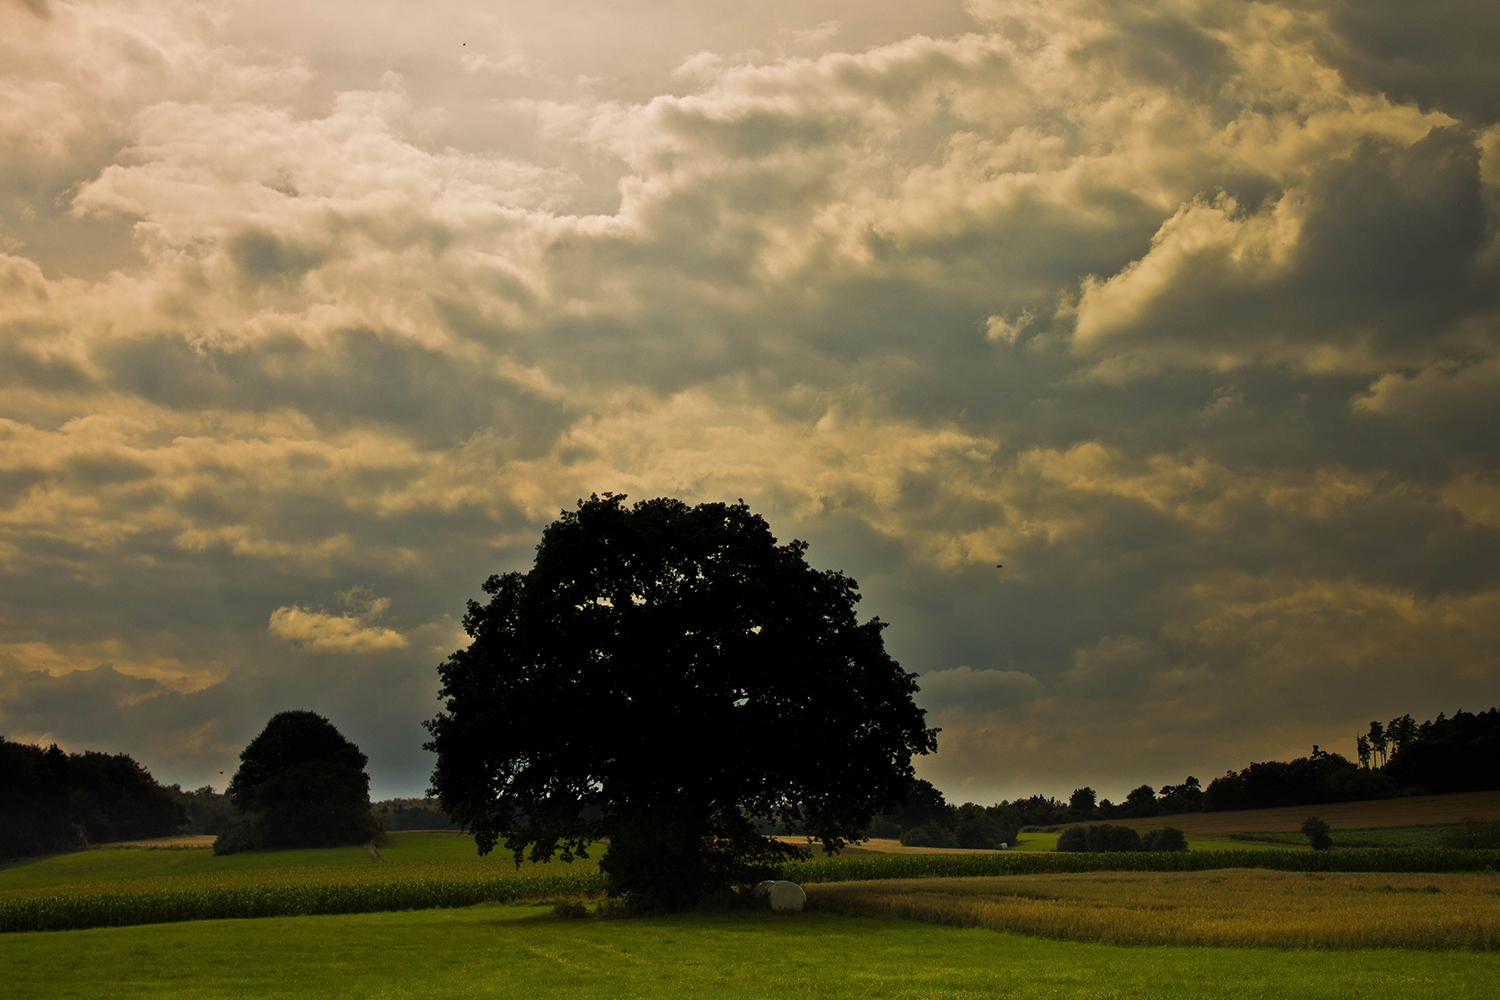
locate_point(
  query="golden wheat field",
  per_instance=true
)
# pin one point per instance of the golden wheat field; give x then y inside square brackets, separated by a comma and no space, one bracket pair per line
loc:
[1240,907]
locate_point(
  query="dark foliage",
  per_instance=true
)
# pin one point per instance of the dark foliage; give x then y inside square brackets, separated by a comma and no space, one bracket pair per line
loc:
[1184,798]
[411,814]
[1316,831]
[1040,811]
[1083,803]
[1168,838]
[661,676]
[300,784]
[1106,837]
[978,827]
[928,836]
[1461,754]
[924,806]
[1073,840]
[1139,802]
[1321,777]
[208,811]
[1099,837]
[55,801]
[1403,757]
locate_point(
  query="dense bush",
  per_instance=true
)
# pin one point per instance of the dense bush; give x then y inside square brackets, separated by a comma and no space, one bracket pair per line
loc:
[1316,832]
[921,836]
[1168,838]
[1099,837]
[1104,837]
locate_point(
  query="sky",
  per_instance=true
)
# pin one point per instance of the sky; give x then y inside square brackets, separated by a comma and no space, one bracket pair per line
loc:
[1140,360]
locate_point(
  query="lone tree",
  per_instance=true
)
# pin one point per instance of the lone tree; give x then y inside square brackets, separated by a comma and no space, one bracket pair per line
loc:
[1317,833]
[664,676]
[300,784]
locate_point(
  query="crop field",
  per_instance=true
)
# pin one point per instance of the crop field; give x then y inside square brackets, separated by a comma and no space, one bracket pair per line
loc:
[525,952]
[1247,908]
[123,886]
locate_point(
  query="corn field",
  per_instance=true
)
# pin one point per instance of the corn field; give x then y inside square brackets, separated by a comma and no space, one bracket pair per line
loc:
[77,910]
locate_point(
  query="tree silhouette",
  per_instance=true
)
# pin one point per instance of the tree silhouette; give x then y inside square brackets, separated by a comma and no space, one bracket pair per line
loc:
[1400,732]
[300,784]
[1377,739]
[662,675]
[1316,832]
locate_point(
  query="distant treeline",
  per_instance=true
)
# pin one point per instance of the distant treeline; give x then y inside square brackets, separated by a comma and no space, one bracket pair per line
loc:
[56,801]
[1401,757]
[412,814]
[52,801]
[1458,754]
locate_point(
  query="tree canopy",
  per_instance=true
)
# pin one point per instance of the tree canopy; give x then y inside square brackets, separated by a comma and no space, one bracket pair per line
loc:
[300,784]
[53,801]
[666,676]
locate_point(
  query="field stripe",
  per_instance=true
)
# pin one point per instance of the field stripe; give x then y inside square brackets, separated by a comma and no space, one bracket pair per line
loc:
[73,911]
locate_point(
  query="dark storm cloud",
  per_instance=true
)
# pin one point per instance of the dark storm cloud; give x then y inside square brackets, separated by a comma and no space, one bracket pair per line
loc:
[1442,56]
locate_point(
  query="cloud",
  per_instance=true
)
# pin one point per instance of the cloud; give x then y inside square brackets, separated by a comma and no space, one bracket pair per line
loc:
[978,690]
[1186,315]
[326,633]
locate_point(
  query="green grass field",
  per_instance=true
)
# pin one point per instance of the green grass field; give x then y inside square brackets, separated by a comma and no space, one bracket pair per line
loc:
[525,952]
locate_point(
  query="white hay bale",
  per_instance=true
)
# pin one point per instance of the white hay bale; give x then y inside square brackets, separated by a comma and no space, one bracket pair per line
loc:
[762,891]
[785,897]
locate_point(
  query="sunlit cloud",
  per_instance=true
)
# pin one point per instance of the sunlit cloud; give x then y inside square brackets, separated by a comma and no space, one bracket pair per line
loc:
[326,633]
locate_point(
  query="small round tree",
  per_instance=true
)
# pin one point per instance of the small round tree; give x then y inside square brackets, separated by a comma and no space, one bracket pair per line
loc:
[670,678]
[300,784]
[1317,833]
